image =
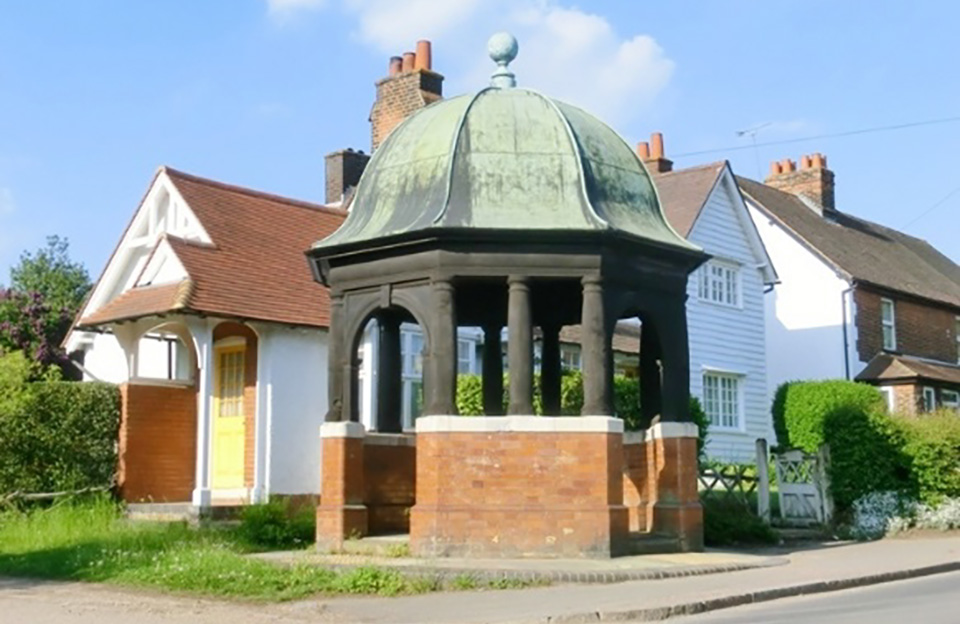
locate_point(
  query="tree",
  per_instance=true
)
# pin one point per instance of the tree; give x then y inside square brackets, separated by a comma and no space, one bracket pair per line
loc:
[47,290]
[61,282]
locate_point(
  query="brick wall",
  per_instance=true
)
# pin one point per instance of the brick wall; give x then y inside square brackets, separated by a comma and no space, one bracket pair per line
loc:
[398,97]
[389,477]
[636,486]
[923,330]
[158,442]
[510,494]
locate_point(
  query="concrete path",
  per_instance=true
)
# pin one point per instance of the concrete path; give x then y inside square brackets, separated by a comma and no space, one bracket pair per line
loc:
[639,567]
[830,567]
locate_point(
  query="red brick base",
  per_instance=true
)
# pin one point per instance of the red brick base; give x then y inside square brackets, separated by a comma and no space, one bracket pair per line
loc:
[673,502]
[519,486]
[157,442]
[341,514]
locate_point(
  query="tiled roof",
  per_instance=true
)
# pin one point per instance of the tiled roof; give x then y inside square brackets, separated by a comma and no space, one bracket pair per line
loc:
[626,337]
[142,301]
[255,269]
[864,251]
[888,367]
[684,192]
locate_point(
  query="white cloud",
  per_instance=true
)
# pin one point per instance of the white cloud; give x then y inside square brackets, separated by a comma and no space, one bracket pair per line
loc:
[287,7]
[393,26]
[565,52]
[7,205]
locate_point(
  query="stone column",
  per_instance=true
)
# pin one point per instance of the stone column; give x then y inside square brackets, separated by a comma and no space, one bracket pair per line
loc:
[550,370]
[341,514]
[675,356]
[441,383]
[492,371]
[596,357]
[520,346]
[650,376]
[389,381]
[335,365]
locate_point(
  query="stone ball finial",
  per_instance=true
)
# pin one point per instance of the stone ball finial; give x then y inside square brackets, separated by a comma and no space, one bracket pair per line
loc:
[502,48]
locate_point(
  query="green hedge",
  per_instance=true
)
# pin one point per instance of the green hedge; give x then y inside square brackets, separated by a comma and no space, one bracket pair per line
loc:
[932,446]
[871,450]
[55,435]
[626,400]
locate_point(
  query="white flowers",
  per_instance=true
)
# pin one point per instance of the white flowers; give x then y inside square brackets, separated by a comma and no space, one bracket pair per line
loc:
[888,513]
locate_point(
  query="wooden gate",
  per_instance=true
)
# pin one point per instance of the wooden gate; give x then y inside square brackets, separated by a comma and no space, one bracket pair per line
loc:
[803,487]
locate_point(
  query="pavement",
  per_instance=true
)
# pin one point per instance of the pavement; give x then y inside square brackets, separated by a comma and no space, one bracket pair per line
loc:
[638,567]
[810,570]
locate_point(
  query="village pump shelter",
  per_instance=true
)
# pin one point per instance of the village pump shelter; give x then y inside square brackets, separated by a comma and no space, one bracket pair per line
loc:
[507,209]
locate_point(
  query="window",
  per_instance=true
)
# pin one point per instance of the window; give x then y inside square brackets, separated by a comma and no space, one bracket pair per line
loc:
[411,350]
[887,393]
[721,400]
[929,399]
[720,283]
[570,359]
[956,334]
[950,398]
[465,357]
[888,319]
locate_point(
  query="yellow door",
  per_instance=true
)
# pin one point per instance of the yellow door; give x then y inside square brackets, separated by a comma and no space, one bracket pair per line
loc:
[228,421]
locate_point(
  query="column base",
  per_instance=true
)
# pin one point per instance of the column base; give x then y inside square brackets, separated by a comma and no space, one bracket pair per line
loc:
[202,498]
[683,521]
[336,524]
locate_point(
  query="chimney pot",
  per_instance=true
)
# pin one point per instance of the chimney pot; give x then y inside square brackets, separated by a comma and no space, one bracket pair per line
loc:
[805,162]
[787,165]
[656,145]
[409,60]
[396,63]
[643,150]
[775,168]
[424,57]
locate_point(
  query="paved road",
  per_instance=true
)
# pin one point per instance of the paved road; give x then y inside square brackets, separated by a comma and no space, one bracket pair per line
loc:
[930,600]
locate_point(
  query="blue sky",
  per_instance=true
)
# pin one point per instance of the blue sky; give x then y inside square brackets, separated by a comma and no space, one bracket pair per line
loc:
[95,95]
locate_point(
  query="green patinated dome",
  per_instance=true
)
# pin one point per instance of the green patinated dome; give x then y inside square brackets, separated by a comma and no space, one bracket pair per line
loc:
[504,159]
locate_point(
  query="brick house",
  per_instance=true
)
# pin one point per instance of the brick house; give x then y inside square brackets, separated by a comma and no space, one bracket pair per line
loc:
[857,300]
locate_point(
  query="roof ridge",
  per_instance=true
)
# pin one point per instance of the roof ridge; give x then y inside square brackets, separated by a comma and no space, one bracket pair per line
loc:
[245,190]
[710,165]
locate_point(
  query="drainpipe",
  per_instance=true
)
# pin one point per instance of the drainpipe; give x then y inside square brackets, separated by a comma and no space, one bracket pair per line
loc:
[846,340]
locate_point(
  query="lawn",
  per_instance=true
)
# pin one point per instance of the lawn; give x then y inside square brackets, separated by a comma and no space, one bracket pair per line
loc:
[91,541]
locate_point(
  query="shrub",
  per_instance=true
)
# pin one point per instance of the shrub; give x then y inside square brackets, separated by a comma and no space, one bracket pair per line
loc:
[932,446]
[865,442]
[57,435]
[276,525]
[728,523]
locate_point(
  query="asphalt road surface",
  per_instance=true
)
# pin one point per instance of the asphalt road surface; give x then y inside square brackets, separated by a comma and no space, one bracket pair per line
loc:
[928,600]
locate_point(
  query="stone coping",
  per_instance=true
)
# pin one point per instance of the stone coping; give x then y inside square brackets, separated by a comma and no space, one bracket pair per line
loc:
[390,439]
[342,429]
[662,430]
[519,424]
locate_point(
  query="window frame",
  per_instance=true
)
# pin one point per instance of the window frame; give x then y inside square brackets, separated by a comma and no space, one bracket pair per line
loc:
[956,335]
[736,378]
[705,283]
[928,396]
[953,403]
[891,323]
[889,397]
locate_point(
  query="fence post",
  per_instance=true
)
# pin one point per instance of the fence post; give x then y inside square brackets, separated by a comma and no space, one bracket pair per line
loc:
[823,482]
[763,481]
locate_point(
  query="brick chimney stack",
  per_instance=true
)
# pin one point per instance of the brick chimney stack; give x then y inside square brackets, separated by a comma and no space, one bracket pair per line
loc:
[410,85]
[343,169]
[812,180]
[652,154]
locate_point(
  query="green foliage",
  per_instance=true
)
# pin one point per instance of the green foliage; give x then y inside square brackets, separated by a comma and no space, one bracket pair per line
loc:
[470,395]
[865,442]
[276,525]
[729,523]
[50,272]
[700,418]
[88,540]
[571,393]
[57,435]
[932,444]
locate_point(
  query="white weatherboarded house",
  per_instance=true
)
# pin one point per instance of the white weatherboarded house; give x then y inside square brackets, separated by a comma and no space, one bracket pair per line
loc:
[725,306]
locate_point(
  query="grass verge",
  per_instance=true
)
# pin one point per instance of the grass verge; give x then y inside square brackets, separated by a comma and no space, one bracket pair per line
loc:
[91,541]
